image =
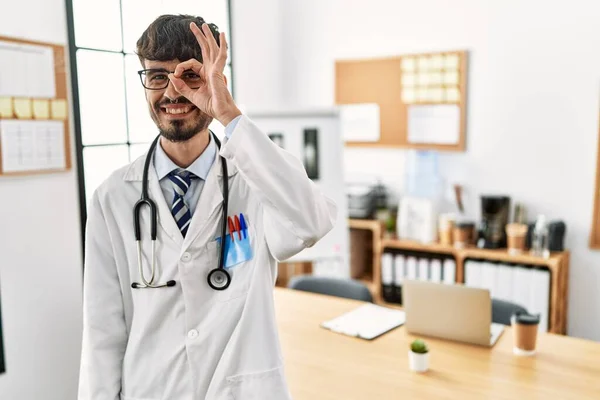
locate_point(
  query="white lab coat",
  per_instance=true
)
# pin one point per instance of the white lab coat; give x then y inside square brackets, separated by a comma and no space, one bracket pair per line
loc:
[190,342]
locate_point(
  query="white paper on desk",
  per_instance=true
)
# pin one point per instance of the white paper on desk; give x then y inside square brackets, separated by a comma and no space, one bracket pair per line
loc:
[26,71]
[360,122]
[367,321]
[439,124]
[32,145]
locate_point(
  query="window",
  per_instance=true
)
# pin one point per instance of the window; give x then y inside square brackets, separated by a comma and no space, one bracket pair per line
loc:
[112,123]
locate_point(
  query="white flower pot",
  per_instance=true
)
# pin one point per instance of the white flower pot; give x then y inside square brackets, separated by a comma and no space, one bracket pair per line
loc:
[418,362]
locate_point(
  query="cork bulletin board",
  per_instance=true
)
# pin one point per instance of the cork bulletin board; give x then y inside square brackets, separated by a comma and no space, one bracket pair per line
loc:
[34,117]
[422,98]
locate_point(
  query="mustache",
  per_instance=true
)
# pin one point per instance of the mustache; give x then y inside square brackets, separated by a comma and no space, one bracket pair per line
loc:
[179,100]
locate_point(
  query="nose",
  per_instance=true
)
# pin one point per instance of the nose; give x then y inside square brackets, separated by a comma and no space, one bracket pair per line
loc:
[171,93]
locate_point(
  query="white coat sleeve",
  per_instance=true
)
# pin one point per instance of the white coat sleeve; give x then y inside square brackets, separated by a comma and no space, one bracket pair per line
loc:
[296,213]
[104,328]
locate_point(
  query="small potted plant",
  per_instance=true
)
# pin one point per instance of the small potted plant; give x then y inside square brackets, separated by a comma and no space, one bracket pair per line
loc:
[418,356]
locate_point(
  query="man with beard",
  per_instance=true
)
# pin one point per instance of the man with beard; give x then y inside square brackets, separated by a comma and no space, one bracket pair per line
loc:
[158,322]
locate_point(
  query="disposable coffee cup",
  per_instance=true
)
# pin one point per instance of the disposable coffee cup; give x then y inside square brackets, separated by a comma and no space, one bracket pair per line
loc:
[516,235]
[525,330]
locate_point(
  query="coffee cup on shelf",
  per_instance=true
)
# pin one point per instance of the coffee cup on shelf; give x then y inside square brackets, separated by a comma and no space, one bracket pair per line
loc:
[516,237]
[464,233]
[446,228]
[525,330]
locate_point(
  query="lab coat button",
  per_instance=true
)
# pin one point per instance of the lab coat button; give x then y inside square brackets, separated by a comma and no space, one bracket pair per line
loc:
[193,334]
[186,257]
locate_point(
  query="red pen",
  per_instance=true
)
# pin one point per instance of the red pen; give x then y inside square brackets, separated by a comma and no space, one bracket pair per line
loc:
[231,227]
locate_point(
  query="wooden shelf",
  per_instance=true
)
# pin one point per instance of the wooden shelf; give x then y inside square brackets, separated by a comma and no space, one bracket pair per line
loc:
[474,252]
[368,224]
[417,246]
[557,264]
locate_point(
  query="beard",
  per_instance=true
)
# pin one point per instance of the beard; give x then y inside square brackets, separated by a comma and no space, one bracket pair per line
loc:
[180,130]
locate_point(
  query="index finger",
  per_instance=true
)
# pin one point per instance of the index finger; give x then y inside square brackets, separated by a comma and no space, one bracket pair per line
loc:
[204,47]
[192,64]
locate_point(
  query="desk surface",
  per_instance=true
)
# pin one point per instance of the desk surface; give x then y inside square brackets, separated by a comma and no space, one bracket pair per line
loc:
[322,365]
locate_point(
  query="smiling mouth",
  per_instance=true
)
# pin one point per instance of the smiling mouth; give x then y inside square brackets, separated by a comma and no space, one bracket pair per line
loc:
[179,111]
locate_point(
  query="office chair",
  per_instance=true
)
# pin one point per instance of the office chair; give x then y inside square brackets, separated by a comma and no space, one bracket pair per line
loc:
[345,288]
[502,311]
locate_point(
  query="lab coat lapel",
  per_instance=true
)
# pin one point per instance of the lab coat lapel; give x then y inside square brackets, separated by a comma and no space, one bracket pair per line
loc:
[210,199]
[167,221]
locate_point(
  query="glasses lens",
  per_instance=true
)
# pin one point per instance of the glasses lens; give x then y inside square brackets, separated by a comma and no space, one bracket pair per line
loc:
[192,79]
[155,79]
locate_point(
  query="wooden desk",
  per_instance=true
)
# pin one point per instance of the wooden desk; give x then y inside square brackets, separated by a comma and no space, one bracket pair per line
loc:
[324,365]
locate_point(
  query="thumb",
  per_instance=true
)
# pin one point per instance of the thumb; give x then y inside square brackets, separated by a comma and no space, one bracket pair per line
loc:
[181,87]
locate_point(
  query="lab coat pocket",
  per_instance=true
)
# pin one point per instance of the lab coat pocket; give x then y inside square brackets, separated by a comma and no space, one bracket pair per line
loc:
[264,385]
[239,254]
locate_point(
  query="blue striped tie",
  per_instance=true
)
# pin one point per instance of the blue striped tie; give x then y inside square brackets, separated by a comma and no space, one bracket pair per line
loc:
[181,180]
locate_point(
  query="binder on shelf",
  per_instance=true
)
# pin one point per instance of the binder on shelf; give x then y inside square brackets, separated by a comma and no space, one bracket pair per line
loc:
[504,279]
[473,273]
[539,296]
[399,274]
[488,278]
[411,268]
[435,269]
[449,271]
[387,276]
[423,264]
[521,286]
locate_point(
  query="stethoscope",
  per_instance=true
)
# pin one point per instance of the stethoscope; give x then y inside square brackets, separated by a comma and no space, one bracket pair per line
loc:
[218,278]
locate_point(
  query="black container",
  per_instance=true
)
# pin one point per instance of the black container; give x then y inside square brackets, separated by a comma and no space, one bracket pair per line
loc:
[495,211]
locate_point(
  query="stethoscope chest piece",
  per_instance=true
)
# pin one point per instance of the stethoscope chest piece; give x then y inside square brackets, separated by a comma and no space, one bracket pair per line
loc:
[219,279]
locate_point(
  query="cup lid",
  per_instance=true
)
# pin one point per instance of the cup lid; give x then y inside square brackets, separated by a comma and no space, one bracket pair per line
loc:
[527,319]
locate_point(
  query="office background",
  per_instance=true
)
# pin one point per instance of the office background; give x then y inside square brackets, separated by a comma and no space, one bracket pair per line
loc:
[532,133]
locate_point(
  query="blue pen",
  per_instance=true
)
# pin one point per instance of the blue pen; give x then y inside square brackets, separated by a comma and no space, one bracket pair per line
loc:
[243,226]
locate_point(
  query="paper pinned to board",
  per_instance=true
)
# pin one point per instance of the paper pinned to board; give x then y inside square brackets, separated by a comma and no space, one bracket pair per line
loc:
[32,145]
[434,124]
[22,108]
[6,107]
[360,122]
[41,109]
[59,109]
[26,70]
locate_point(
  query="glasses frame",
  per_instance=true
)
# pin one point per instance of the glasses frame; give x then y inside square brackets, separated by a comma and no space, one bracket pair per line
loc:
[144,71]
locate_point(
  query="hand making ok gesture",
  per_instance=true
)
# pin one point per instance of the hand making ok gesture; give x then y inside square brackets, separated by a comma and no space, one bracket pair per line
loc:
[212,97]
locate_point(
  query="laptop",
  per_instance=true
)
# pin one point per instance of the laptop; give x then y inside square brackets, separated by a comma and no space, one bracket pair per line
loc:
[455,312]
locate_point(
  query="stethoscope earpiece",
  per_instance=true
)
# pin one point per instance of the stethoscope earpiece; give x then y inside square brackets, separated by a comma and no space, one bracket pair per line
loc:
[219,279]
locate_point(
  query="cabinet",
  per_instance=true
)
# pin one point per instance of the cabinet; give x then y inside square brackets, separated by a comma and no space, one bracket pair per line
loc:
[557,265]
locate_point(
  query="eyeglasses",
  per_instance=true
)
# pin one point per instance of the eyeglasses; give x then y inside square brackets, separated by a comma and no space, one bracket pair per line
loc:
[158,79]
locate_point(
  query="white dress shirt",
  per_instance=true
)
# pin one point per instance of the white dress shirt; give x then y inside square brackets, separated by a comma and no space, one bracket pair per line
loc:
[200,168]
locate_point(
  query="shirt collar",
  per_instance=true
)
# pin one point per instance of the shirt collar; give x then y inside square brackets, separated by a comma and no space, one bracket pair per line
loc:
[200,167]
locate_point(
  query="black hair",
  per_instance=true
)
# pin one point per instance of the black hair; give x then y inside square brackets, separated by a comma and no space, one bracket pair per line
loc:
[169,37]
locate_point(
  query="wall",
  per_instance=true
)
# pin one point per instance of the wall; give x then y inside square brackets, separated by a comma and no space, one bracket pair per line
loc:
[40,254]
[257,49]
[533,102]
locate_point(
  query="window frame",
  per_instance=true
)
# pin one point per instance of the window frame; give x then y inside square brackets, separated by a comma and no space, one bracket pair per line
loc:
[77,132]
